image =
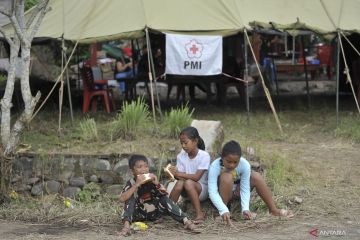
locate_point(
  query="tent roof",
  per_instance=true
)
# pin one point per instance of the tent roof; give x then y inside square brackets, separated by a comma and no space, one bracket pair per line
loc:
[100,20]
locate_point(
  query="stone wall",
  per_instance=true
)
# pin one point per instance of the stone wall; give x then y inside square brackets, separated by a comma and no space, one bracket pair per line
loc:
[67,174]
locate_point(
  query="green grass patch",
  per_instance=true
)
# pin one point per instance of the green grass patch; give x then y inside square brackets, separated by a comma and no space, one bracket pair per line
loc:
[88,130]
[132,117]
[279,172]
[178,119]
[349,128]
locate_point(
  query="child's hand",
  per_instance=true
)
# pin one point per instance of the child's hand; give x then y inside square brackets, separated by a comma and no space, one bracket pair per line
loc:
[226,218]
[139,180]
[154,178]
[173,170]
[247,215]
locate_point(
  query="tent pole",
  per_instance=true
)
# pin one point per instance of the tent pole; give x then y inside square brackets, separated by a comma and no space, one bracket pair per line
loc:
[154,74]
[306,71]
[337,78]
[266,90]
[246,77]
[293,50]
[150,74]
[68,89]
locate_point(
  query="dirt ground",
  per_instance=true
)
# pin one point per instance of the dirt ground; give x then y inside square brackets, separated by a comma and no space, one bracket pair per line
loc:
[330,204]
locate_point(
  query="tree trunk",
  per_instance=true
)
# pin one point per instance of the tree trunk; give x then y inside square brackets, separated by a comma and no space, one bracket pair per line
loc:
[25,31]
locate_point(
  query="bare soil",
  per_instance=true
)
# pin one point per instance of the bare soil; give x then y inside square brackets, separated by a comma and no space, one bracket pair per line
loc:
[330,194]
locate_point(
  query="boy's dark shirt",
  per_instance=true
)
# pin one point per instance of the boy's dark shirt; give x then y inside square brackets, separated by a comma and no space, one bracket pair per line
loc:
[146,192]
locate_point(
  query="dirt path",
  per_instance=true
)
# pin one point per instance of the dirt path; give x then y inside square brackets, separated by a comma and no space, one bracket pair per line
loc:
[330,204]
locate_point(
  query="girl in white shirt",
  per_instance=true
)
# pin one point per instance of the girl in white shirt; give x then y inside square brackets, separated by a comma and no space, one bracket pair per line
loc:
[191,171]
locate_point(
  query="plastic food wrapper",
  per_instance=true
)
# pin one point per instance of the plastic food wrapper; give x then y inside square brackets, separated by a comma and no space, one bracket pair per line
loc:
[139,226]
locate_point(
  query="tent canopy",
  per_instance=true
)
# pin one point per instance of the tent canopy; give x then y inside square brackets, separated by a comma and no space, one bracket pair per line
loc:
[100,20]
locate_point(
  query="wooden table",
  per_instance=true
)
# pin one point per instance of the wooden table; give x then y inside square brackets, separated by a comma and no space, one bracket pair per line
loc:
[298,68]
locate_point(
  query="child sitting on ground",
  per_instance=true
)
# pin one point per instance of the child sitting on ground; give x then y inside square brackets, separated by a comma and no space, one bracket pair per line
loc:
[231,177]
[192,164]
[146,199]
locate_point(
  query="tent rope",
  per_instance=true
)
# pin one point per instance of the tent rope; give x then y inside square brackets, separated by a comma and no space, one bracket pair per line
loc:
[347,72]
[266,90]
[350,43]
[328,14]
[57,81]
[235,78]
[150,75]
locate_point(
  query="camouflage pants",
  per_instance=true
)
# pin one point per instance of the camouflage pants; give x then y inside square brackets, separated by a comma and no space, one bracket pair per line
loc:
[152,210]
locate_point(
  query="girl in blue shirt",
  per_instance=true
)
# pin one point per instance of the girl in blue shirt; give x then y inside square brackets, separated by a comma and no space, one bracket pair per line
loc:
[231,176]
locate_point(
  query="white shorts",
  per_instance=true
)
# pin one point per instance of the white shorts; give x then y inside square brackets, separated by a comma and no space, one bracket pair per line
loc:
[204,193]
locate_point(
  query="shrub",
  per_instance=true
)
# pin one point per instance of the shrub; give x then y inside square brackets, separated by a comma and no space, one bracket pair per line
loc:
[130,119]
[88,129]
[178,119]
[89,193]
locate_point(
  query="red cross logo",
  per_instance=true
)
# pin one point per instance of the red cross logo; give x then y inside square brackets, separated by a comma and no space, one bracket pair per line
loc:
[194,49]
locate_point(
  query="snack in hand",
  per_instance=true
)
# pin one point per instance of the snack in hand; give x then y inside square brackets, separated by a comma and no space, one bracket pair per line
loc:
[147,178]
[168,173]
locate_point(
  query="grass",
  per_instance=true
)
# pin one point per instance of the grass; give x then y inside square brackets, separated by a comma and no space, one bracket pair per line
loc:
[129,121]
[349,128]
[178,119]
[88,130]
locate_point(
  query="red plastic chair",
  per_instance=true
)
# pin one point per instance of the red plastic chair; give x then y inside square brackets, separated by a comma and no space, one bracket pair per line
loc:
[324,55]
[90,90]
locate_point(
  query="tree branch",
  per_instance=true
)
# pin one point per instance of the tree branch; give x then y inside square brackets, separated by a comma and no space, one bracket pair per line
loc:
[6,13]
[34,13]
[43,11]
[18,31]
[7,38]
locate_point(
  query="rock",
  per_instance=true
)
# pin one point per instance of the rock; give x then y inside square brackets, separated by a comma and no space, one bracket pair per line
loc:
[94,178]
[103,165]
[121,167]
[250,151]
[303,190]
[114,190]
[213,135]
[65,176]
[15,179]
[20,187]
[70,192]
[106,178]
[37,189]
[77,181]
[254,165]
[32,180]
[52,186]
[298,200]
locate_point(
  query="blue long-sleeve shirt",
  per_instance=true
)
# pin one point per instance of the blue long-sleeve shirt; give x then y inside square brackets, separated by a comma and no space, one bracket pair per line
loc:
[243,171]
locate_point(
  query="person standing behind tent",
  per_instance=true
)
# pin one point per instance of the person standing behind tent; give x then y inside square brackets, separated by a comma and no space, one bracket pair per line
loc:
[192,164]
[230,177]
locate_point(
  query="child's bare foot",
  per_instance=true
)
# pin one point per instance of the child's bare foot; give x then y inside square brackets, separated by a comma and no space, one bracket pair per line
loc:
[200,218]
[283,213]
[189,225]
[126,231]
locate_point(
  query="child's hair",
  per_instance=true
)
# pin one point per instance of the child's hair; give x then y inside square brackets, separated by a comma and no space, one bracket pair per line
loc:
[231,147]
[135,158]
[192,133]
